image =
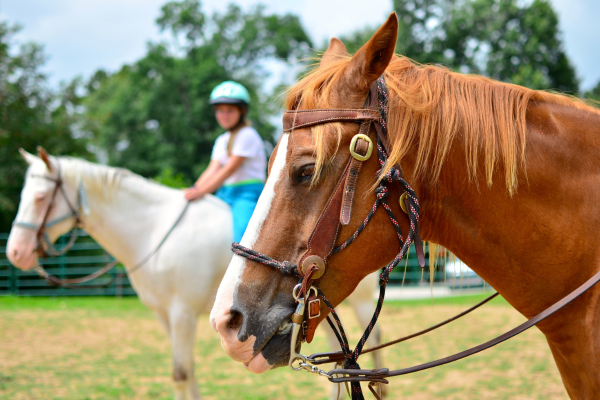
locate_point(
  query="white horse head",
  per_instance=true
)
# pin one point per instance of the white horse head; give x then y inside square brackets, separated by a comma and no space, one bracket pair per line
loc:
[38,198]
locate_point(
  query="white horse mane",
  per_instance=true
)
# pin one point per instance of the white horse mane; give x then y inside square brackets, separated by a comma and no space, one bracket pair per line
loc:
[99,179]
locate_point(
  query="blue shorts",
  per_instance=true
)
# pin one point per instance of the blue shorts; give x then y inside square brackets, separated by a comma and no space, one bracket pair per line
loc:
[242,199]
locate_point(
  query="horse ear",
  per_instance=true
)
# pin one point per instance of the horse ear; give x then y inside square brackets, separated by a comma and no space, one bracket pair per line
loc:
[28,157]
[334,52]
[43,154]
[373,58]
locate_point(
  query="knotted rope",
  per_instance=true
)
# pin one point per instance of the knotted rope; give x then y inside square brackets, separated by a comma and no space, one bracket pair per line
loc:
[393,176]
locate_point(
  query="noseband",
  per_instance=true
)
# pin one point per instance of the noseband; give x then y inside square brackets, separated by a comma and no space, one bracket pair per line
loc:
[338,211]
[41,235]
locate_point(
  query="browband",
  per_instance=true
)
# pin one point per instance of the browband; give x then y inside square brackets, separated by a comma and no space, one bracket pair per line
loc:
[303,118]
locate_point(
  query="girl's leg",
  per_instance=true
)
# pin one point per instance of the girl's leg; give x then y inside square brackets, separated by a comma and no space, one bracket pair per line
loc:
[242,210]
[243,206]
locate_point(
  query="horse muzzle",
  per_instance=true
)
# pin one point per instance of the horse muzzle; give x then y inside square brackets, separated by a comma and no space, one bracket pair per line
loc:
[20,251]
[254,341]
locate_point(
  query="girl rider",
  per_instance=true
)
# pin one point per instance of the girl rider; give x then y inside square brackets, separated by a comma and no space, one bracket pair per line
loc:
[238,162]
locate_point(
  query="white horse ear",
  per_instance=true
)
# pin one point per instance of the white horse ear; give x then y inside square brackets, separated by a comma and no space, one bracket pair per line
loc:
[28,157]
[43,154]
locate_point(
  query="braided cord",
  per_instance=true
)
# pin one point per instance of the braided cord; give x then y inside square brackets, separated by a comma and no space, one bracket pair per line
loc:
[382,192]
[285,267]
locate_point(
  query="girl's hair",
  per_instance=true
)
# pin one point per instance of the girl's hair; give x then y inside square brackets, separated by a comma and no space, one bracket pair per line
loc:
[244,122]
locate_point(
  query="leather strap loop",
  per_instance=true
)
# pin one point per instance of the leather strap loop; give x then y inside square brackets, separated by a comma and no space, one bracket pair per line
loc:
[361,148]
[323,237]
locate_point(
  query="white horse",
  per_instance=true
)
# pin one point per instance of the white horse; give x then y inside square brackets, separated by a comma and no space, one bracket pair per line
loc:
[129,216]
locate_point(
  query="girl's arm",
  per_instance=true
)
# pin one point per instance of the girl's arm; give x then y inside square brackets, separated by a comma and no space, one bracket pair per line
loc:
[213,167]
[208,183]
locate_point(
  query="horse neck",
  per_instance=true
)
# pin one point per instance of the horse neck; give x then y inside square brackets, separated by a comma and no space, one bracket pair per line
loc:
[125,222]
[531,247]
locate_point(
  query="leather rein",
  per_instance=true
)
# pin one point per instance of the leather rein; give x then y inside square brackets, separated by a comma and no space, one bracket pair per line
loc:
[49,251]
[321,245]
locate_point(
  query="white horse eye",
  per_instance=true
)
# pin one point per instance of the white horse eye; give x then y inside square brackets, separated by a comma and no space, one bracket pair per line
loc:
[40,197]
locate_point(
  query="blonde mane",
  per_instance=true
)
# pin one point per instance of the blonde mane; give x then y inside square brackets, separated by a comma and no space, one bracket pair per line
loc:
[430,107]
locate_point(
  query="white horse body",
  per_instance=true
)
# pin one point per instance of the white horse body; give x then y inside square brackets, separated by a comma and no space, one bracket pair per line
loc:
[189,265]
[129,216]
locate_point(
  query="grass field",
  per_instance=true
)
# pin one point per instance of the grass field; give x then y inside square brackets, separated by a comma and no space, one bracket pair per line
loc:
[110,348]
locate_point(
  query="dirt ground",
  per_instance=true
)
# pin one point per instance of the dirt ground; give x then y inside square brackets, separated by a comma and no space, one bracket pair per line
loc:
[116,349]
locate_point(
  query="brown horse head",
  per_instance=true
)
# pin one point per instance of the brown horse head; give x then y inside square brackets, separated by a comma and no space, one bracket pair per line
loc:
[254,302]
[506,179]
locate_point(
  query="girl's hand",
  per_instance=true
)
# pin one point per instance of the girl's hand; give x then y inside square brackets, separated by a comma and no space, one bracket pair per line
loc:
[193,194]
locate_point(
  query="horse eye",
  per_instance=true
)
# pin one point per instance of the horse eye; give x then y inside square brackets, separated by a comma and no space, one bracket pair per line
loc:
[40,197]
[303,174]
[307,171]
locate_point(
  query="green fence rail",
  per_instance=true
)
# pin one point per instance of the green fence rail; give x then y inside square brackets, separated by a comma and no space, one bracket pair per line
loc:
[409,273]
[85,257]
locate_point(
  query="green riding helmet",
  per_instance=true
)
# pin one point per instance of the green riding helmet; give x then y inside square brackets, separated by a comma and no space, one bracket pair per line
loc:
[230,92]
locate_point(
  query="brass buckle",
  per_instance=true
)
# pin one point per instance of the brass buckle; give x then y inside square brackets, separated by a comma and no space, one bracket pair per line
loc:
[402,204]
[311,316]
[353,146]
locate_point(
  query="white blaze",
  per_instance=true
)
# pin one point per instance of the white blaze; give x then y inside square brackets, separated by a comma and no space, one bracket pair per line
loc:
[224,299]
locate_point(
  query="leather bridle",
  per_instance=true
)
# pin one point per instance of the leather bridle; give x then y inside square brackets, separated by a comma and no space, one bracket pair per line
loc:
[49,251]
[41,236]
[321,245]
[337,212]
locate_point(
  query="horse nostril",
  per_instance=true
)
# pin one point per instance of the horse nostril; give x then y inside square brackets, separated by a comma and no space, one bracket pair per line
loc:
[235,321]
[15,254]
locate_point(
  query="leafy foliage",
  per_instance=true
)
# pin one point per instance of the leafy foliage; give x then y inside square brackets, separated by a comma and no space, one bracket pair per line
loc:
[30,115]
[510,42]
[594,95]
[504,39]
[153,116]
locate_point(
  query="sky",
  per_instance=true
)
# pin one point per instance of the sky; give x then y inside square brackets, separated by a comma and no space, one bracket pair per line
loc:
[81,36]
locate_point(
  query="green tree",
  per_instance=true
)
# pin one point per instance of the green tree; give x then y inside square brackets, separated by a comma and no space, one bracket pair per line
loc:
[421,28]
[153,116]
[30,115]
[594,95]
[508,40]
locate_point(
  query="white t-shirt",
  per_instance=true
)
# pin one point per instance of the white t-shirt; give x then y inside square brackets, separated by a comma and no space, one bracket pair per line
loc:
[247,143]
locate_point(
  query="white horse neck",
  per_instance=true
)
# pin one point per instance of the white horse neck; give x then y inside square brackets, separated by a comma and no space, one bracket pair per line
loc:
[128,215]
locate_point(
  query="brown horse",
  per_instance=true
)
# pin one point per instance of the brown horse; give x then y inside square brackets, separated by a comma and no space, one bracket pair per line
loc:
[508,179]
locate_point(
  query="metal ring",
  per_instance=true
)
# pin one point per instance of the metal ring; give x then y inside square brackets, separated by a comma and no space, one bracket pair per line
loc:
[298,357]
[353,145]
[296,291]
